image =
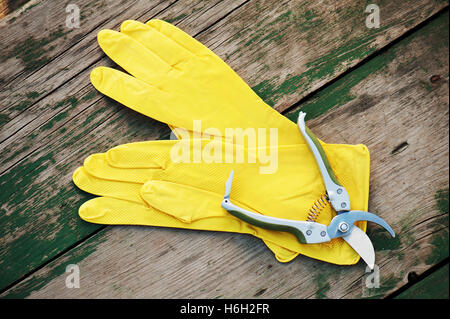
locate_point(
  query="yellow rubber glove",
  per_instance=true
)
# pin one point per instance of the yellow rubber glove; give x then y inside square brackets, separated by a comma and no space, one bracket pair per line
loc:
[159,192]
[175,79]
[153,54]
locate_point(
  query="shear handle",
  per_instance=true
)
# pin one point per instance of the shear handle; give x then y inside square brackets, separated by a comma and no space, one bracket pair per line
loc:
[337,193]
[306,232]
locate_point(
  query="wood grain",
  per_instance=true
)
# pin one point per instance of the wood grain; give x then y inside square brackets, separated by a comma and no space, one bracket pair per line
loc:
[39,201]
[398,97]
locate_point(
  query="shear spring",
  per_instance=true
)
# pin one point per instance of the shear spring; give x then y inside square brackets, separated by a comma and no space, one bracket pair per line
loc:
[317,208]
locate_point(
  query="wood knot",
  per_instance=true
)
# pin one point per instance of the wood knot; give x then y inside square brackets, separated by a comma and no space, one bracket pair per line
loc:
[412,277]
[435,79]
[400,148]
[260,292]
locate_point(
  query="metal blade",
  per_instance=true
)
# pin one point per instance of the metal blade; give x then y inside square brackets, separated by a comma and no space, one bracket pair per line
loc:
[361,243]
[228,185]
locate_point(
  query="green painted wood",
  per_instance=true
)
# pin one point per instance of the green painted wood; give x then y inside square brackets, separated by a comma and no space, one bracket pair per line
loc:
[422,222]
[434,286]
[58,129]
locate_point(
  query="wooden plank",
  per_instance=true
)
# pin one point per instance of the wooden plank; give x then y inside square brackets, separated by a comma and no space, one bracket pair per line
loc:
[50,124]
[39,201]
[244,36]
[288,49]
[435,286]
[56,57]
[399,96]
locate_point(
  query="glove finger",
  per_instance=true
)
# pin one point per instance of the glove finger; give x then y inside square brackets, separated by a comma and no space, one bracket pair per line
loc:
[134,57]
[158,104]
[211,91]
[282,254]
[287,131]
[111,211]
[167,49]
[179,36]
[190,204]
[97,165]
[120,190]
[114,211]
[156,154]
[133,93]
[184,202]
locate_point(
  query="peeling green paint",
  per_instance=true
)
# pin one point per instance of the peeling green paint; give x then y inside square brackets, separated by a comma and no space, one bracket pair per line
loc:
[33,95]
[60,116]
[440,248]
[440,240]
[434,286]
[272,31]
[387,284]
[4,118]
[28,203]
[88,96]
[306,20]
[266,90]
[323,68]
[73,101]
[27,101]
[56,269]
[22,105]
[177,18]
[12,156]
[30,7]
[323,286]
[24,201]
[339,92]
[442,200]
[32,51]
[382,240]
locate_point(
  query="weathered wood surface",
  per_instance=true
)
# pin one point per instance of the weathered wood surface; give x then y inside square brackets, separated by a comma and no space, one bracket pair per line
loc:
[52,118]
[435,286]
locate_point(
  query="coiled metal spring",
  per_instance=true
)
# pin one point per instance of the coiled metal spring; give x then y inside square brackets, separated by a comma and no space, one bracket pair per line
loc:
[317,207]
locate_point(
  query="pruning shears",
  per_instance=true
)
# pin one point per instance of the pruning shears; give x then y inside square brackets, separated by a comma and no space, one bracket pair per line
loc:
[310,232]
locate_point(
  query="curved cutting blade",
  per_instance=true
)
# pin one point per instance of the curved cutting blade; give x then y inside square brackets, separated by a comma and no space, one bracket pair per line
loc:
[361,243]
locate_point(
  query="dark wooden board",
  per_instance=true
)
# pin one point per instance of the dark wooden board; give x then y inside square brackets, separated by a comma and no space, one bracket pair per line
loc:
[435,286]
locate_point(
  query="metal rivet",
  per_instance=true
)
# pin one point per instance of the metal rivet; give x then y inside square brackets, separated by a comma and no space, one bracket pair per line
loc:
[343,205]
[343,227]
[308,232]
[339,191]
[323,233]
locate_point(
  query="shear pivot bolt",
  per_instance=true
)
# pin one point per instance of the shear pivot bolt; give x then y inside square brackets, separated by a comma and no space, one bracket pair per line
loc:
[343,227]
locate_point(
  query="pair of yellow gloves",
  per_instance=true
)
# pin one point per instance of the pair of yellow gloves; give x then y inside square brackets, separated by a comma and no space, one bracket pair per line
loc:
[175,79]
